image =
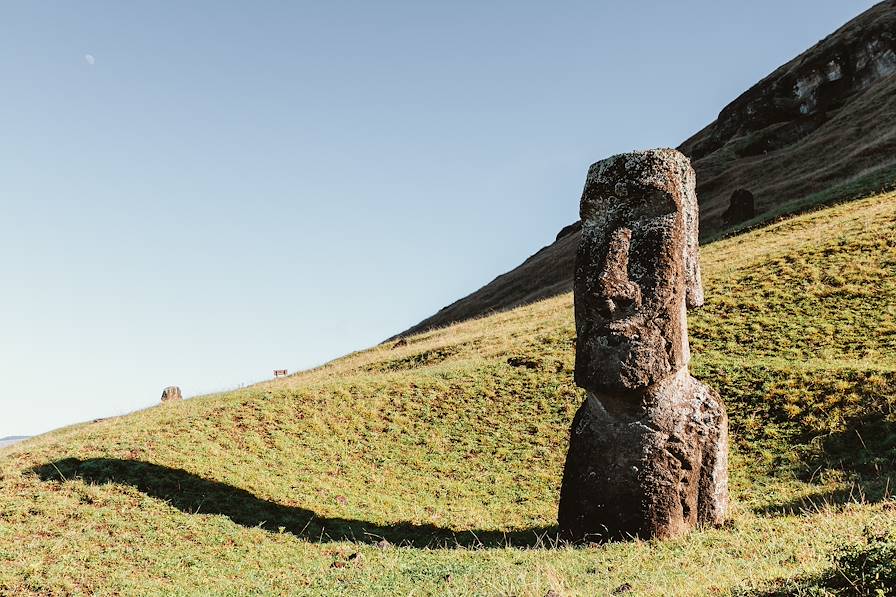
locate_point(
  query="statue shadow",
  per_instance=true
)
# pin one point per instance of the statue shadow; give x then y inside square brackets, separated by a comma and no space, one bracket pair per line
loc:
[192,494]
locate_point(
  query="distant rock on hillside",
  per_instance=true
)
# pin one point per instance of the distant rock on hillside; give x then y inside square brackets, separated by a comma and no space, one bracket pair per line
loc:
[171,394]
[826,117]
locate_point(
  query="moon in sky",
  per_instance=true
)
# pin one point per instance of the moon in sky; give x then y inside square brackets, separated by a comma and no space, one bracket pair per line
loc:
[89,59]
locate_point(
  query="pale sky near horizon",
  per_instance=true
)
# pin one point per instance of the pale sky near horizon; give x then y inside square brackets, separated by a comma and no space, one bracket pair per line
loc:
[198,193]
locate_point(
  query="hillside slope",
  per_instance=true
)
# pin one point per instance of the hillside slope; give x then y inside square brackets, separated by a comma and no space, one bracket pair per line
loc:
[10,440]
[822,118]
[819,129]
[451,448]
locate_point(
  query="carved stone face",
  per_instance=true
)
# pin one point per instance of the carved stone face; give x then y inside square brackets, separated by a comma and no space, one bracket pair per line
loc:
[636,269]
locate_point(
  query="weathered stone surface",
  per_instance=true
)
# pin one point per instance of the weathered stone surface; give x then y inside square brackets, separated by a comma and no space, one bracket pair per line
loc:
[636,266]
[648,465]
[171,393]
[741,208]
[648,447]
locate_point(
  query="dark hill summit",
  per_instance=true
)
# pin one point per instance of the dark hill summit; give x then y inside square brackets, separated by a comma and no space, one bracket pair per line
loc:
[820,128]
[823,118]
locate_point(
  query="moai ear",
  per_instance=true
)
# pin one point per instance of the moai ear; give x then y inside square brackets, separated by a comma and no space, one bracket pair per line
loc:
[693,281]
[694,284]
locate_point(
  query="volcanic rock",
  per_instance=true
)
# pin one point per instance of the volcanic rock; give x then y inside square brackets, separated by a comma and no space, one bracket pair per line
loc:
[171,393]
[741,208]
[648,452]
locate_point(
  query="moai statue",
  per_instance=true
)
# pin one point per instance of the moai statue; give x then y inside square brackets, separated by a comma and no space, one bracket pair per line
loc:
[648,449]
[171,393]
[741,207]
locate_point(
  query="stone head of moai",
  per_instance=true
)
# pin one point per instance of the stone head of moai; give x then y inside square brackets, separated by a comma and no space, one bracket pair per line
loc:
[639,235]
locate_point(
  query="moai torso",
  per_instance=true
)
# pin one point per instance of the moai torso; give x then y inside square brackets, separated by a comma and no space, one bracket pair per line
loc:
[648,447]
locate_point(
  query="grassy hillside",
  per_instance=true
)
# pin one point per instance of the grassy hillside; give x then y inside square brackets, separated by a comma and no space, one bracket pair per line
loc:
[816,131]
[434,468]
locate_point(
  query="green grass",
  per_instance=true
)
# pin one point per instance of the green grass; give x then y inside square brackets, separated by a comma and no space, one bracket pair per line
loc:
[434,468]
[865,568]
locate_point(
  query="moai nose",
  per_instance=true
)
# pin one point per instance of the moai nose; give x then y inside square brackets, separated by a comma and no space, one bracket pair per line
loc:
[620,296]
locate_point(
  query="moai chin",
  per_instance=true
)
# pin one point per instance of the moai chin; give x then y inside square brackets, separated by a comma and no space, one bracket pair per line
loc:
[648,449]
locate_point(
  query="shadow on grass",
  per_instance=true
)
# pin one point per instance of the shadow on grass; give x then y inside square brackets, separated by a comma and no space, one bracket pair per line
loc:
[864,453]
[862,492]
[866,567]
[195,495]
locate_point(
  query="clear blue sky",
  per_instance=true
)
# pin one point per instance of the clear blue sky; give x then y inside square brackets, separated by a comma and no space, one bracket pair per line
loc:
[196,193]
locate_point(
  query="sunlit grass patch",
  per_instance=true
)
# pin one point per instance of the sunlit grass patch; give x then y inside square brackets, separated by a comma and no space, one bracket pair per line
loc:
[434,466]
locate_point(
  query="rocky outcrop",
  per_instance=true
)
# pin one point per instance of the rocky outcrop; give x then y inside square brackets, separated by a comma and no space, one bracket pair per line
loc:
[801,95]
[823,119]
[171,393]
[648,448]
